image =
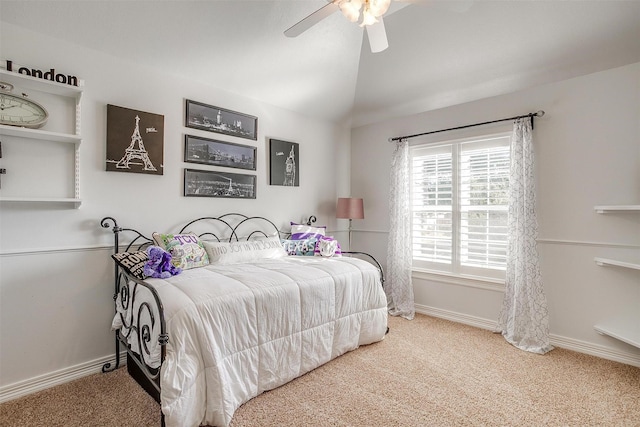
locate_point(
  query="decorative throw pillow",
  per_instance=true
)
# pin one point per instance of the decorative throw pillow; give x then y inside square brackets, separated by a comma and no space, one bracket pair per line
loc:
[304,247]
[301,232]
[244,251]
[327,246]
[132,262]
[186,250]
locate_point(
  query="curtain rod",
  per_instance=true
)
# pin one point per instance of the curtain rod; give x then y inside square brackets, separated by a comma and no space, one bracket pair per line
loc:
[539,113]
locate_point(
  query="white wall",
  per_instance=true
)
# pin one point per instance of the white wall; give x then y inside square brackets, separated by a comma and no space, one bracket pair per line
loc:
[588,153]
[55,272]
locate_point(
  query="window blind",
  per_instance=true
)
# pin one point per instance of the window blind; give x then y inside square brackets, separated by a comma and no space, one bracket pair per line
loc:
[484,193]
[459,204]
[432,207]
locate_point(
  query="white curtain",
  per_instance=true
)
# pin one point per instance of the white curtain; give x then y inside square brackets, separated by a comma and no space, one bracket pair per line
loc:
[524,320]
[398,285]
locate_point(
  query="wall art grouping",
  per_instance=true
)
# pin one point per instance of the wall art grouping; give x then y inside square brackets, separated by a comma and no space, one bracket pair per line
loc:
[220,120]
[135,141]
[284,163]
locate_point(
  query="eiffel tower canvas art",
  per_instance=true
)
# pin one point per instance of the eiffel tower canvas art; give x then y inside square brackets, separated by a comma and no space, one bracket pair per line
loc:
[135,141]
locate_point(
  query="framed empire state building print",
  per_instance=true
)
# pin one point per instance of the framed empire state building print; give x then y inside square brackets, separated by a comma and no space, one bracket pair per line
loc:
[284,163]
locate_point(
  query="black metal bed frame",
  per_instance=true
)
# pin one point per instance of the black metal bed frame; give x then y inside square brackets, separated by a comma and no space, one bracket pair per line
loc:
[142,323]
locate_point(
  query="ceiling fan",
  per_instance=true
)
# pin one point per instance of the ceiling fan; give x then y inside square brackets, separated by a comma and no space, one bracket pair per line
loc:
[368,13]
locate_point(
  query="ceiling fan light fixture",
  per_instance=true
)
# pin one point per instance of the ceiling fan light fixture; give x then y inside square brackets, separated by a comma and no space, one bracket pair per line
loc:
[351,9]
[371,9]
[368,13]
[378,7]
[368,18]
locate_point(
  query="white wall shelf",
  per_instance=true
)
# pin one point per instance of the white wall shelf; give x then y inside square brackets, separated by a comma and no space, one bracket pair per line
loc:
[625,330]
[617,208]
[33,83]
[24,82]
[613,262]
[75,202]
[41,135]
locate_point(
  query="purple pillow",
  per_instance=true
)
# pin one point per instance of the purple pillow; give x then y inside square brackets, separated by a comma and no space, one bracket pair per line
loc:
[302,232]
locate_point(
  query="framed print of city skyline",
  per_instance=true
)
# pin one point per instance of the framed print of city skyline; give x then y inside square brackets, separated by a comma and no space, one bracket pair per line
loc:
[220,120]
[210,183]
[219,153]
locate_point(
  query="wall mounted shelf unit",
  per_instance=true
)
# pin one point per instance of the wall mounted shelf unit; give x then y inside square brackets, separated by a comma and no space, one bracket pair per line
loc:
[28,83]
[613,262]
[616,208]
[625,329]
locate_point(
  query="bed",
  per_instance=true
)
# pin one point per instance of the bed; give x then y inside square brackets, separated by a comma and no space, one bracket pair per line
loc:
[251,318]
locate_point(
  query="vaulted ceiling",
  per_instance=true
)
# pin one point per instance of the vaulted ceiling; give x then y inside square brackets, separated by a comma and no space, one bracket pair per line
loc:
[441,52]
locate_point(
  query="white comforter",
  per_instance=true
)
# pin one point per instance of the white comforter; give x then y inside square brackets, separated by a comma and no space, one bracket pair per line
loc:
[238,330]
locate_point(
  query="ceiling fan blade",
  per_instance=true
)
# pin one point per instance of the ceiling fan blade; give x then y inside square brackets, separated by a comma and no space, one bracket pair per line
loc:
[377,36]
[456,6]
[311,20]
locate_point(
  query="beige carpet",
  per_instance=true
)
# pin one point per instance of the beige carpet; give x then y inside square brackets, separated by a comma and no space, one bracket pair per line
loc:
[427,372]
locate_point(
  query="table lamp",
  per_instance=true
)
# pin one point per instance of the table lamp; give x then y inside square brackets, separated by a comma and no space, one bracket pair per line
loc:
[350,208]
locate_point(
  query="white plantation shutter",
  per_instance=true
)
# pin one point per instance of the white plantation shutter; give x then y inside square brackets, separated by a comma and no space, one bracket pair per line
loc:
[459,206]
[432,197]
[484,185]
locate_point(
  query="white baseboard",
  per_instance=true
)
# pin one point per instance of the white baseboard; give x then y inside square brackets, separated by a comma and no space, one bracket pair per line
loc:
[43,382]
[556,340]
[595,350]
[466,319]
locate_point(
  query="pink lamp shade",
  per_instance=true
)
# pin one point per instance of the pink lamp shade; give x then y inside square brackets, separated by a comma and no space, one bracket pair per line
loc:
[350,208]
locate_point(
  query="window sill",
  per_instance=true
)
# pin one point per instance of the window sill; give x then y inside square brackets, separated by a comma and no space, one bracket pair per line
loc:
[496,285]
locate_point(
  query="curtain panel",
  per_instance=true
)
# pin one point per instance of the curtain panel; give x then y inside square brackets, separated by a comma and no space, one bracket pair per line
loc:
[398,286]
[523,320]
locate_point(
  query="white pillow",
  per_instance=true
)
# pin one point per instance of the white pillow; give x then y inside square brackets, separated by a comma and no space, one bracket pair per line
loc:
[235,252]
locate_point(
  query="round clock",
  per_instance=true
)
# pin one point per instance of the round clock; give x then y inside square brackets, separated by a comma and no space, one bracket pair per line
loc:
[21,111]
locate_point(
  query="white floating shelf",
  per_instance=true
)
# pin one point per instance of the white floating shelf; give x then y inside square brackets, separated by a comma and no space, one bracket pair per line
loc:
[617,208]
[617,263]
[621,329]
[76,202]
[42,135]
[22,81]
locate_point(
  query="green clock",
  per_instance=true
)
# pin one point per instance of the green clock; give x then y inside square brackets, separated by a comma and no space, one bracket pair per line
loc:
[19,110]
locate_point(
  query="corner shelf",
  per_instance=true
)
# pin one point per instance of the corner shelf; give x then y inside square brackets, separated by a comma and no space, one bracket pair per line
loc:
[24,82]
[612,262]
[616,208]
[625,329]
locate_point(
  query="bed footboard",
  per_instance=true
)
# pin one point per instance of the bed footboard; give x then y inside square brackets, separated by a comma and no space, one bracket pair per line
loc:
[144,322]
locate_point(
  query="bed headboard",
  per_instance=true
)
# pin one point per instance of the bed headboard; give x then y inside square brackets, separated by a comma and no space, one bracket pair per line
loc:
[230,227]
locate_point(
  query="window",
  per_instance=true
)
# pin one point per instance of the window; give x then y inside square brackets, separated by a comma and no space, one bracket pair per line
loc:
[459,193]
